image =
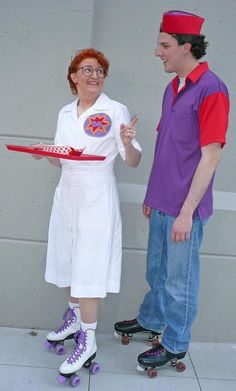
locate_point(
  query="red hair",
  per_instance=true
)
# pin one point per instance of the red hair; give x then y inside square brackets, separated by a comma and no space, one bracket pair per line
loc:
[79,57]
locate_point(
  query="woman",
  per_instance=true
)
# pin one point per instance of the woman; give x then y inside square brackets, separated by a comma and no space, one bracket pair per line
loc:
[84,245]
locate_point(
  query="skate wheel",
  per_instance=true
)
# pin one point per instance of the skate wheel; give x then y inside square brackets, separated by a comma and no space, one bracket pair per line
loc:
[125,340]
[180,367]
[60,349]
[94,368]
[48,345]
[61,379]
[151,373]
[74,380]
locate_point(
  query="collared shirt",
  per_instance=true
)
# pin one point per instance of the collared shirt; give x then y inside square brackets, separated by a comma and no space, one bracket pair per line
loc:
[195,116]
[97,130]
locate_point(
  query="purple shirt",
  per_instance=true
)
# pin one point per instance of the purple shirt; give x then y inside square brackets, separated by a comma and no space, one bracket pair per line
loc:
[194,117]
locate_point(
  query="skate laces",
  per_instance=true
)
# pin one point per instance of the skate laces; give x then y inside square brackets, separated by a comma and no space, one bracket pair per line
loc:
[81,338]
[156,351]
[69,317]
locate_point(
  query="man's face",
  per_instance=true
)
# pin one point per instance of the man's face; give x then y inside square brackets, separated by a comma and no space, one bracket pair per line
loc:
[172,55]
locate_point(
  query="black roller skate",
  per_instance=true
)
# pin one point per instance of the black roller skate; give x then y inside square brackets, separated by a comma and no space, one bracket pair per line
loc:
[157,357]
[127,328]
[55,339]
[82,356]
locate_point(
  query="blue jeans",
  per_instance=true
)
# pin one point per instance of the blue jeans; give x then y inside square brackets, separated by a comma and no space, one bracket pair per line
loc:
[173,275]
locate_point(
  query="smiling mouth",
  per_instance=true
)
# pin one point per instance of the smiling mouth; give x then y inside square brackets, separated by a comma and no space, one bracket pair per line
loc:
[93,83]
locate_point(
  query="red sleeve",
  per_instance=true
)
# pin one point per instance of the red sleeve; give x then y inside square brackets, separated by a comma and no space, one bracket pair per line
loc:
[213,119]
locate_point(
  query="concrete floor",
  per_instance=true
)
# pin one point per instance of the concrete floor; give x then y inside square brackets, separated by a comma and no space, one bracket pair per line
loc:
[26,366]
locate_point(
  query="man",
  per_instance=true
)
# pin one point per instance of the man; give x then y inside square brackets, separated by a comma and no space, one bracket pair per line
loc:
[179,198]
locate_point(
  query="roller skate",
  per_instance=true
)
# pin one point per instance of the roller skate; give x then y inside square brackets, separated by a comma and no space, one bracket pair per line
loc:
[55,339]
[127,328]
[157,357]
[82,356]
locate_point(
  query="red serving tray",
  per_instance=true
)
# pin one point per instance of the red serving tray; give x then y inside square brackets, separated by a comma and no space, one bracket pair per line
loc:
[72,155]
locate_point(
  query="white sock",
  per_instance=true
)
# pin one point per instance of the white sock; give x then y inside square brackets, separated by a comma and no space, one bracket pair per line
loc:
[86,326]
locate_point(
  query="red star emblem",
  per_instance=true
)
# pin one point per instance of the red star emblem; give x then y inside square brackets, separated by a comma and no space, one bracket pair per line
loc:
[98,123]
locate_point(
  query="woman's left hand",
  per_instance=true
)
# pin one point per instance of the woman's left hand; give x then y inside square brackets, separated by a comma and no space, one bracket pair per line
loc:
[128,132]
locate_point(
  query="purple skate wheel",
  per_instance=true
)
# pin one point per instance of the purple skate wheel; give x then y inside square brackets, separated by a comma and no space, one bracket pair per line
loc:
[74,380]
[94,368]
[48,345]
[60,349]
[61,379]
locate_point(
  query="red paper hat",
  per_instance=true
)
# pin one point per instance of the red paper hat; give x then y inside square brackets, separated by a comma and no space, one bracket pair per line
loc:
[179,22]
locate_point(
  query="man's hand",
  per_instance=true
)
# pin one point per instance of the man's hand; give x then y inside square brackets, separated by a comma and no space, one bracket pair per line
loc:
[146,211]
[181,228]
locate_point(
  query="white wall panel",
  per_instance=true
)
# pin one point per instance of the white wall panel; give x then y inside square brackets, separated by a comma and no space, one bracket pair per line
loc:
[37,41]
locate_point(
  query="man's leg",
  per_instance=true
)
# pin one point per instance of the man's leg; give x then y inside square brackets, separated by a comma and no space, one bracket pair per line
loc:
[182,287]
[151,314]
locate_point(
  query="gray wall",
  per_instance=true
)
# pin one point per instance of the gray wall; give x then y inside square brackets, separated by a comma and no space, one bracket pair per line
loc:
[38,41]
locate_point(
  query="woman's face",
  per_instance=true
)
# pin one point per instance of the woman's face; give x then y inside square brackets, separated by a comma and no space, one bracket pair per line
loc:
[89,78]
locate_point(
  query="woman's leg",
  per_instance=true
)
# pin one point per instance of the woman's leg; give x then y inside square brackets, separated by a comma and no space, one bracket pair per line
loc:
[86,342]
[89,309]
[71,324]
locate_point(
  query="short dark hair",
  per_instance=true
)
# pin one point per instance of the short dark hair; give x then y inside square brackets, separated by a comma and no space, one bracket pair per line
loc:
[197,42]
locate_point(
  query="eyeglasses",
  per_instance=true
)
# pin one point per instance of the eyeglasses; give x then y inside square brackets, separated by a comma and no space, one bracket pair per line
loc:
[88,70]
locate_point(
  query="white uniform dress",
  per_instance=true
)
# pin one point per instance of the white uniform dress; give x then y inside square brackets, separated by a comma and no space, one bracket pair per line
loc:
[85,233]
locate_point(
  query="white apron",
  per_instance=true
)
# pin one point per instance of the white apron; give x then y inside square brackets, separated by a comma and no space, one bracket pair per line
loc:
[85,233]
